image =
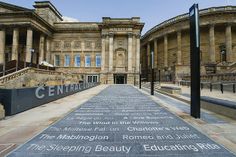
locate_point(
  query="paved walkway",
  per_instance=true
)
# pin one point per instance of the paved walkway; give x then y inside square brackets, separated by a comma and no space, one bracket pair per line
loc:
[121,121]
[18,129]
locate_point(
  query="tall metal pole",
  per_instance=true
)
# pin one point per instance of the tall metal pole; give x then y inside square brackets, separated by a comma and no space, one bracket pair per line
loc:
[195,60]
[140,74]
[152,74]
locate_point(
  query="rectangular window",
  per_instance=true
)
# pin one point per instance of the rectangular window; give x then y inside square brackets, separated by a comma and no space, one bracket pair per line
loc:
[98,60]
[87,61]
[95,78]
[57,60]
[67,61]
[92,78]
[77,61]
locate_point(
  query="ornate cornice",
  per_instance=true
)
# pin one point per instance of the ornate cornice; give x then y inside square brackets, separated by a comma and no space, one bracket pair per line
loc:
[183,17]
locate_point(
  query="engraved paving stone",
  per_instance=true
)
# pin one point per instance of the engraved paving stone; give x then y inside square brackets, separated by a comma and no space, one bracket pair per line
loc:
[121,121]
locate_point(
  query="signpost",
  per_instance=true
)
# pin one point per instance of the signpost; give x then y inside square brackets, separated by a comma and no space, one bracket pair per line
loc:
[195,60]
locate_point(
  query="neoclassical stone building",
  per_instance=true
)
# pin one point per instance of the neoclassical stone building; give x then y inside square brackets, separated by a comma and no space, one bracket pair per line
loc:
[170,43]
[107,51]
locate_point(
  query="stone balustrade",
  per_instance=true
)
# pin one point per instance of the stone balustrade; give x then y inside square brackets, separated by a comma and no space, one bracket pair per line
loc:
[33,77]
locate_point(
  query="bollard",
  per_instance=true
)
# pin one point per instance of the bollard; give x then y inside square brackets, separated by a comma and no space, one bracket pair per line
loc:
[233,88]
[222,88]
[140,83]
[211,87]
[201,85]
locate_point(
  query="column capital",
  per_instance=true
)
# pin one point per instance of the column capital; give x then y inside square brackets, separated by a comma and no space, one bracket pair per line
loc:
[111,34]
[130,35]
[104,35]
[228,24]
[179,32]
[210,25]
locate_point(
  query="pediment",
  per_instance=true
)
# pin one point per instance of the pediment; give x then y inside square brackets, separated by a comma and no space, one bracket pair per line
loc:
[10,8]
[120,49]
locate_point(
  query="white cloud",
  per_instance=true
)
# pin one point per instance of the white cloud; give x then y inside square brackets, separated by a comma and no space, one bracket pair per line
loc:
[69,19]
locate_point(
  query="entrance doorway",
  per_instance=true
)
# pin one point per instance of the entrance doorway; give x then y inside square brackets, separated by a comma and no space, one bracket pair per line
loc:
[120,78]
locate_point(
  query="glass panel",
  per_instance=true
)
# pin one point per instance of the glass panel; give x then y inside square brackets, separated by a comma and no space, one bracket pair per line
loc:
[57,60]
[77,61]
[67,60]
[98,60]
[87,61]
[95,78]
[90,78]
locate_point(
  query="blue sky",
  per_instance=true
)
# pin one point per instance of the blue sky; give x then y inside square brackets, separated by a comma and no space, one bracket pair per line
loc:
[152,12]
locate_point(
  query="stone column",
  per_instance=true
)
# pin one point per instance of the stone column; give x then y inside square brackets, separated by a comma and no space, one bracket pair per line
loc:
[2,46]
[212,55]
[41,48]
[111,35]
[103,57]
[179,45]
[48,50]
[15,44]
[137,53]
[130,51]
[165,51]
[155,54]
[148,55]
[228,33]
[29,44]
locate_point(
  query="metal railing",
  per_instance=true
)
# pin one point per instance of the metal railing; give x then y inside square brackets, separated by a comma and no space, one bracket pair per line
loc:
[222,86]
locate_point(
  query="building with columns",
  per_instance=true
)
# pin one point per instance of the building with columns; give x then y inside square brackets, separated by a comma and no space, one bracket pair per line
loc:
[106,52]
[170,42]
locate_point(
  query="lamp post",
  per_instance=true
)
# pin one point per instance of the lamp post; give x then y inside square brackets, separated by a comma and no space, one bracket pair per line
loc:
[152,74]
[32,55]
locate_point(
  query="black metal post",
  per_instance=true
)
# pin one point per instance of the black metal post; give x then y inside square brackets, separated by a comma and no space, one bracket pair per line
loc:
[140,76]
[152,73]
[233,88]
[201,85]
[31,59]
[211,87]
[140,83]
[160,77]
[222,88]
[152,82]
[195,60]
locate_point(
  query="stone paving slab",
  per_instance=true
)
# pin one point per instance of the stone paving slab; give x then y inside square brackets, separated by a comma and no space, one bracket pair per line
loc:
[121,121]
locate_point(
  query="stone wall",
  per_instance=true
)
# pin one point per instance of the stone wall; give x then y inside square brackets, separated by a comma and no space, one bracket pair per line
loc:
[217,33]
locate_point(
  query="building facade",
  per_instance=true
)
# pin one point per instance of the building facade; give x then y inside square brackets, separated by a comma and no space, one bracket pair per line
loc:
[106,52]
[170,43]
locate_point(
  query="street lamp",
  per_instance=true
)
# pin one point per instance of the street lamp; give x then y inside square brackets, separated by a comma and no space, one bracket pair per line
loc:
[31,59]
